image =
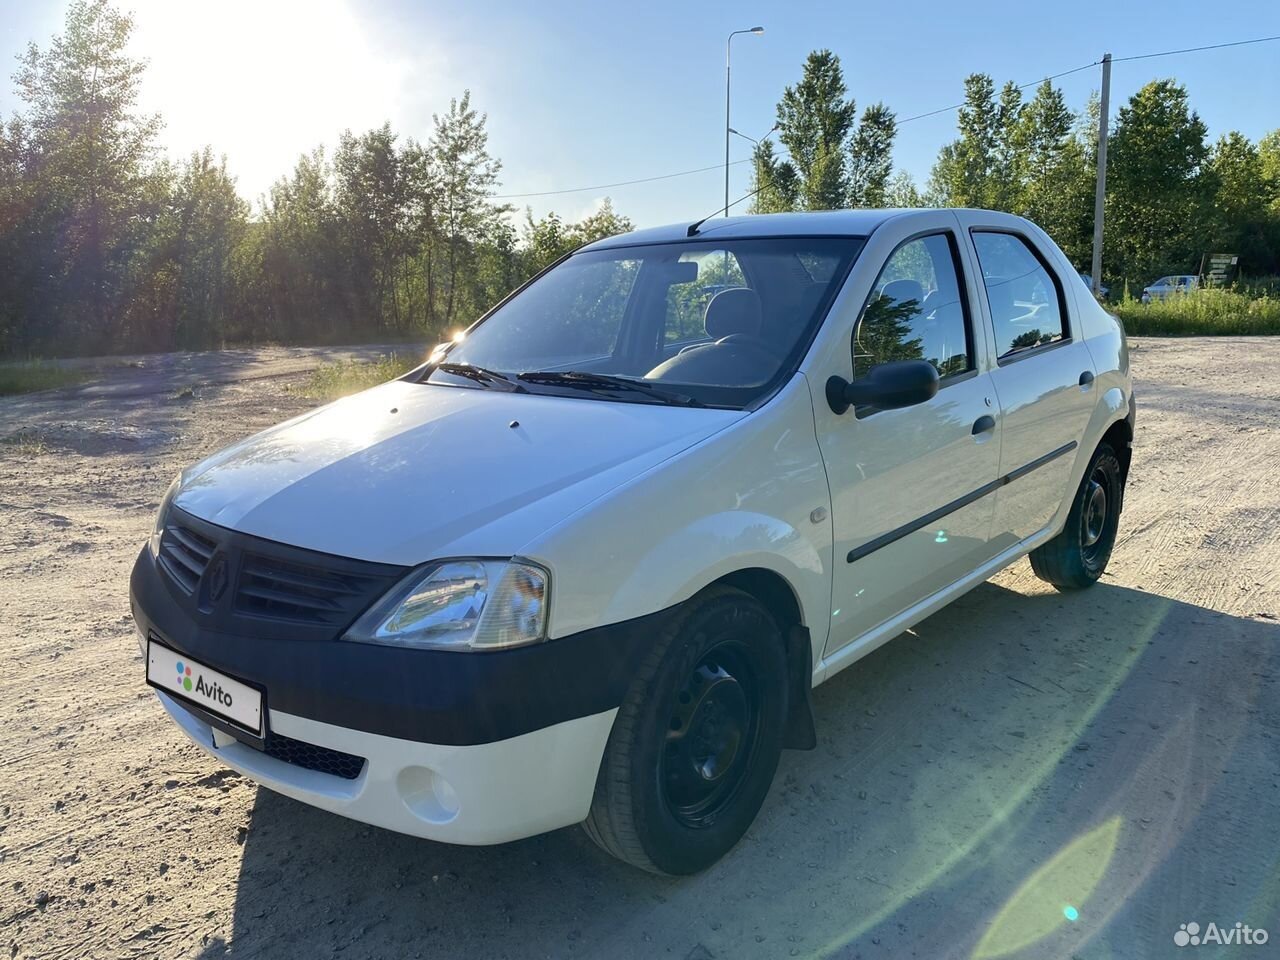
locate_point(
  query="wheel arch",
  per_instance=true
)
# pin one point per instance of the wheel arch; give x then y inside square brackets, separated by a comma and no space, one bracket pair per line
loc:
[777,596]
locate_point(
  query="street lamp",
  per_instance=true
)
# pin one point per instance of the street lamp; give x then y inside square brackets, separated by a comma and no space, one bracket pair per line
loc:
[756,152]
[727,47]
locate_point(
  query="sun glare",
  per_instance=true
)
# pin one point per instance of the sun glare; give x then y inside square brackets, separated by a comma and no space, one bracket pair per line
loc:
[265,82]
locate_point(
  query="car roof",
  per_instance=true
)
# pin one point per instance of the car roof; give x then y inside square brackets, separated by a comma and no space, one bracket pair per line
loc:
[835,223]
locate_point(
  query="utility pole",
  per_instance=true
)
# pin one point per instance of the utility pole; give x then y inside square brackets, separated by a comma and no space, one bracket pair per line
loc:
[1100,192]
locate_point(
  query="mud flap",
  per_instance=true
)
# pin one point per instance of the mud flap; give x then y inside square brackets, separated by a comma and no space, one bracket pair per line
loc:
[801,734]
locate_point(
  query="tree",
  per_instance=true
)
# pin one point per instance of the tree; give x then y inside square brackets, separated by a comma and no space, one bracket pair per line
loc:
[1004,189]
[550,238]
[1159,185]
[88,150]
[184,287]
[775,184]
[1269,158]
[901,191]
[1240,201]
[1055,177]
[467,174]
[371,206]
[963,174]
[815,121]
[871,157]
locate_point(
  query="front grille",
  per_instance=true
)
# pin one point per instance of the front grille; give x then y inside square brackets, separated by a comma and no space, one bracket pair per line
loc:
[184,554]
[245,586]
[313,757]
[281,590]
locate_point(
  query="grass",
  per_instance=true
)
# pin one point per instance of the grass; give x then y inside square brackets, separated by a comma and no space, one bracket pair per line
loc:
[27,376]
[1203,313]
[25,443]
[334,380]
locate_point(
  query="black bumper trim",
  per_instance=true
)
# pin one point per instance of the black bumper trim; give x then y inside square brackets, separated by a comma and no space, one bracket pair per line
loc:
[428,696]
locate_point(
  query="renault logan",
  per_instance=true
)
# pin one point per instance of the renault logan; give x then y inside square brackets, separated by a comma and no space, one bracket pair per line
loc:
[587,562]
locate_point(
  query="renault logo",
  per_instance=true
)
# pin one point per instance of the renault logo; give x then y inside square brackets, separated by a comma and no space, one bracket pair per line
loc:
[217,577]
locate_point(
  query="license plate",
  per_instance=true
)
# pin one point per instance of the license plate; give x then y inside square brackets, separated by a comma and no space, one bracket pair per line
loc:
[211,691]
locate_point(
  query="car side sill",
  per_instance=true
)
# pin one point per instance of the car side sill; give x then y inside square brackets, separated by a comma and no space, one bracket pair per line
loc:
[871,546]
[830,665]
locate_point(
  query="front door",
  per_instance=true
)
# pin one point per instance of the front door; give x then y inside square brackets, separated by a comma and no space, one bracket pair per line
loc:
[908,511]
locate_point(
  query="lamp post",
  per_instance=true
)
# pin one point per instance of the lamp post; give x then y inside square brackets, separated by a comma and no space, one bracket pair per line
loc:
[756,152]
[728,46]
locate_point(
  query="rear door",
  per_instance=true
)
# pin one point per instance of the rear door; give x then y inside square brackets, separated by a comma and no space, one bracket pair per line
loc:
[1043,376]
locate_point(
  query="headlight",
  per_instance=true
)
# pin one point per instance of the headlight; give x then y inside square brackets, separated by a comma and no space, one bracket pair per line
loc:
[461,605]
[163,514]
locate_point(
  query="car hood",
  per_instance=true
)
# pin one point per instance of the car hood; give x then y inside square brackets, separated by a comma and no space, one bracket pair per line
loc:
[408,472]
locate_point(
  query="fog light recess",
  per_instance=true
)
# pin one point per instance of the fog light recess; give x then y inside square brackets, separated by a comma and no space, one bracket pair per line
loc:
[427,794]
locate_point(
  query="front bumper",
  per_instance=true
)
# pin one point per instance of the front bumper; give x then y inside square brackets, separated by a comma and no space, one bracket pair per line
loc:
[486,793]
[430,696]
[460,747]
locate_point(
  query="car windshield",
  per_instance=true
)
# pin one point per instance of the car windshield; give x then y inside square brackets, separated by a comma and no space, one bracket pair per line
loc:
[700,322]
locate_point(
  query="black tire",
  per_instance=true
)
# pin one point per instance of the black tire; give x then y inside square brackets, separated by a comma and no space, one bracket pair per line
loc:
[696,741]
[1076,557]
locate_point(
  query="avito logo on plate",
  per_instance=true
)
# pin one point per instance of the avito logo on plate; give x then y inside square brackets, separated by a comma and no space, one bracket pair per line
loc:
[213,691]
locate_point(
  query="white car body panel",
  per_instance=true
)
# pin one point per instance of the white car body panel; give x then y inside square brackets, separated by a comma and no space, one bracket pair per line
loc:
[614,560]
[405,472]
[481,794]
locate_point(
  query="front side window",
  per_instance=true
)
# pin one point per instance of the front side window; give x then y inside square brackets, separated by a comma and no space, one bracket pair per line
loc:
[1025,298]
[916,311]
[694,322]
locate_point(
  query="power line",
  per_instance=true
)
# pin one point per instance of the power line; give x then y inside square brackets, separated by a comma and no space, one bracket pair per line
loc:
[1212,46]
[918,116]
[620,183]
[1033,83]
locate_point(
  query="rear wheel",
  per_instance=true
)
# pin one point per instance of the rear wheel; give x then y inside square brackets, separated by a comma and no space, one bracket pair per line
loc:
[696,741]
[1077,556]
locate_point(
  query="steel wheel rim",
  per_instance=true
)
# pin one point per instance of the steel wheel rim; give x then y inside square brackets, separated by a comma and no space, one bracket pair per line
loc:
[1096,515]
[711,736]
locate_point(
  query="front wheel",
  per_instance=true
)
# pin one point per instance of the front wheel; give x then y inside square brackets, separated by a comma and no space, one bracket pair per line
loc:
[1076,557]
[696,741]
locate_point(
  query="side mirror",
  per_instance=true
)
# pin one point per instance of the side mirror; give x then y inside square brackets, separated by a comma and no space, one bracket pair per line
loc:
[888,386]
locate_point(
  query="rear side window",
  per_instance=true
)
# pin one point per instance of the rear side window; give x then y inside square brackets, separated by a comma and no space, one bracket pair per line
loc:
[916,311]
[1025,297]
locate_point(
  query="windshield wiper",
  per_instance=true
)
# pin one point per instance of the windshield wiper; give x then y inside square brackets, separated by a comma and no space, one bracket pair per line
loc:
[605,382]
[493,378]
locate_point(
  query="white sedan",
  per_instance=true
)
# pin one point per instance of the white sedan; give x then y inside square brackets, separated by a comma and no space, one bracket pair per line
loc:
[1171,286]
[587,562]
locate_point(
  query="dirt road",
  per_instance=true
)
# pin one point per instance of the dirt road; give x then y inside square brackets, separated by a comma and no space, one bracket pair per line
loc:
[1112,755]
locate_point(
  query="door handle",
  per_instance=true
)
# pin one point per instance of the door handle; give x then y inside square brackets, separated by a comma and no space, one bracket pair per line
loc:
[1086,378]
[984,424]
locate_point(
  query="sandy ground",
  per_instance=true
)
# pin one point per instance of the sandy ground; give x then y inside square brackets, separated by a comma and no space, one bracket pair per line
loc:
[1115,751]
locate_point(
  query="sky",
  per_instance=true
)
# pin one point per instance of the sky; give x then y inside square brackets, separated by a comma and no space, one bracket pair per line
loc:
[589,93]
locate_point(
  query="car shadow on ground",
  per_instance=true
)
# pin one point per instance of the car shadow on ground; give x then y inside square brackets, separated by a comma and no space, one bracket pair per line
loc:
[1019,776]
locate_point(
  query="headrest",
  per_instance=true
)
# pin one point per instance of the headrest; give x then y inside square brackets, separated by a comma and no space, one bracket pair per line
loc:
[901,291]
[735,311]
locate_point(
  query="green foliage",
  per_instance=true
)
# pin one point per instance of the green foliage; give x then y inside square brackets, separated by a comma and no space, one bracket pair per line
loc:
[334,380]
[107,247]
[871,157]
[550,238]
[29,376]
[1160,187]
[834,161]
[77,176]
[1203,312]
